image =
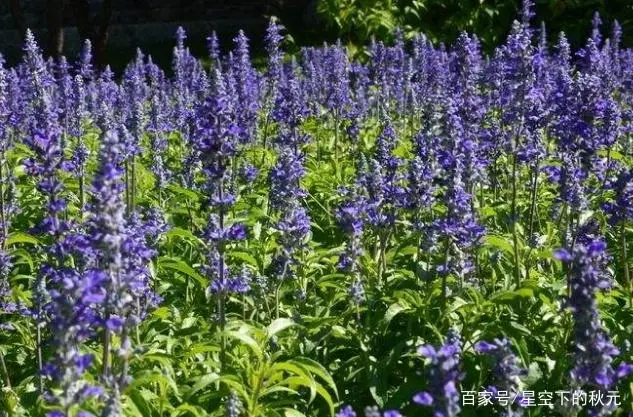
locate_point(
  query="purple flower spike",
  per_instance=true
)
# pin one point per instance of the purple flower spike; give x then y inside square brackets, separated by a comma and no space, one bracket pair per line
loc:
[443,376]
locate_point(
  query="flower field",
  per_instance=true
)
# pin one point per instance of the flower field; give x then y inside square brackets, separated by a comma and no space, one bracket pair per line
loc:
[426,230]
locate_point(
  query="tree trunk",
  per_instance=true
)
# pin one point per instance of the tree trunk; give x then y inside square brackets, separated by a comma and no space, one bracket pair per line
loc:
[101,40]
[94,28]
[18,18]
[55,11]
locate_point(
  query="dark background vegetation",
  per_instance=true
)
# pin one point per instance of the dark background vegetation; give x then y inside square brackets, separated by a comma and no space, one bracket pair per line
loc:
[442,20]
[309,22]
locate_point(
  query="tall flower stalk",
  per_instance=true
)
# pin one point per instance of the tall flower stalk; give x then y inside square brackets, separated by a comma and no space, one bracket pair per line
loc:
[620,213]
[506,374]
[293,222]
[594,351]
[119,262]
[443,376]
[351,217]
[216,141]
[135,95]
[45,166]
[107,233]
[7,210]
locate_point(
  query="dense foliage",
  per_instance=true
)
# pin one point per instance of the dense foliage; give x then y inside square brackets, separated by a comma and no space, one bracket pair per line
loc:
[322,236]
[443,20]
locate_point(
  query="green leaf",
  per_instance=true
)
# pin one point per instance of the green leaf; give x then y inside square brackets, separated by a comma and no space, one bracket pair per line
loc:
[21,237]
[458,303]
[291,412]
[614,155]
[247,340]
[242,256]
[180,266]
[499,243]
[327,397]
[275,389]
[204,382]
[140,403]
[511,296]
[302,380]
[338,331]
[279,325]
[317,369]
[191,195]
[147,378]
[182,233]
[187,409]
[379,400]
[393,310]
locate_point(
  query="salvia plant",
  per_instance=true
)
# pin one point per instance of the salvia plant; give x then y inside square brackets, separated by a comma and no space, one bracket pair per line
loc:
[430,230]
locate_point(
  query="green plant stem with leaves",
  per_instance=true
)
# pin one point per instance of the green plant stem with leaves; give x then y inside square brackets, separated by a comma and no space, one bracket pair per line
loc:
[221,295]
[4,373]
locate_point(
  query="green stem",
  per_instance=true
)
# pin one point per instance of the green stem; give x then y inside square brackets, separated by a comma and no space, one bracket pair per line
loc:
[133,185]
[277,295]
[532,214]
[127,186]
[107,333]
[515,233]
[3,220]
[418,257]
[222,301]
[336,123]
[445,273]
[106,351]
[267,305]
[40,362]
[222,314]
[4,372]
[125,360]
[81,191]
[187,295]
[625,264]
[255,400]
[380,258]
[190,215]
[265,138]
[533,193]
[137,331]
[494,180]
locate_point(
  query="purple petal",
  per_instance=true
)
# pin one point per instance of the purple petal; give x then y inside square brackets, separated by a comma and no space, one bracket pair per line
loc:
[423,398]
[624,370]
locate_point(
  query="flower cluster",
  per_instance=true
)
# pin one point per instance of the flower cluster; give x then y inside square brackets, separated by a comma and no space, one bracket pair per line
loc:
[594,350]
[374,411]
[506,370]
[378,176]
[443,376]
[216,142]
